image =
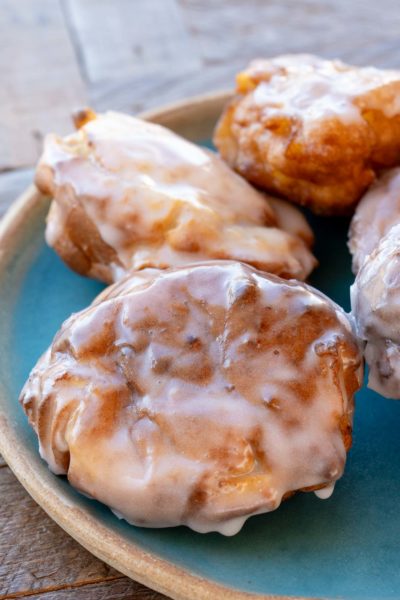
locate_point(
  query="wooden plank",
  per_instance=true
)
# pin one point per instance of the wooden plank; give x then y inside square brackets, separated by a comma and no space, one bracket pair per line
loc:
[35,553]
[130,37]
[12,184]
[119,589]
[38,558]
[271,33]
[139,93]
[226,31]
[41,82]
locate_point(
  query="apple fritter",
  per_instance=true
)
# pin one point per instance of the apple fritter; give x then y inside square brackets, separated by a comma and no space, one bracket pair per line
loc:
[377,212]
[375,301]
[199,396]
[314,131]
[128,194]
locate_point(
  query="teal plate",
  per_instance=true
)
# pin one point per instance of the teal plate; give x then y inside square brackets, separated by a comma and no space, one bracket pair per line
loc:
[345,547]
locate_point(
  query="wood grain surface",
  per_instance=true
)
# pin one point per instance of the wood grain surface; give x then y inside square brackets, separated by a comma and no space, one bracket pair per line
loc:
[57,55]
[38,558]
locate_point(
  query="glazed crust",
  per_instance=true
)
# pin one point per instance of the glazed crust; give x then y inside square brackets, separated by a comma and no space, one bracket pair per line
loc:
[374,241]
[375,300]
[377,212]
[312,130]
[130,195]
[198,396]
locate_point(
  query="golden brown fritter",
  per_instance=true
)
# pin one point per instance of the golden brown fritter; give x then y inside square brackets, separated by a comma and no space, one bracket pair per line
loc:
[313,130]
[199,395]
[130,194]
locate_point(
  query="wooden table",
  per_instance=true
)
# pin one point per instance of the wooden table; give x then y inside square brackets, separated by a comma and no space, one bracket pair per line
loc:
[57,55]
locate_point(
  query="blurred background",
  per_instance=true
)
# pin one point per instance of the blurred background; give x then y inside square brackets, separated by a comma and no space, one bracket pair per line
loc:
[58,55]
[130,55]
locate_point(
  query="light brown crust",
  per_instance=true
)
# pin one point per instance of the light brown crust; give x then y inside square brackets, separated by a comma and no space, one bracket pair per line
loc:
[326,161]
[130,195]
[80,245]
[197,383]
[69,512]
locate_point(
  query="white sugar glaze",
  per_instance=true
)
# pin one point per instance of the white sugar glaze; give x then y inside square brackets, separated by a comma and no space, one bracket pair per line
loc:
[198,396]
[158,200]
[376,214]
[375,297]
[314,89]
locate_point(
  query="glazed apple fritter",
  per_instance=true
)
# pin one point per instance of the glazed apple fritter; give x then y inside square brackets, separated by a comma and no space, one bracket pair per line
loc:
[128,194]
[199,395]
[314,131]
[375,301]
[377,212]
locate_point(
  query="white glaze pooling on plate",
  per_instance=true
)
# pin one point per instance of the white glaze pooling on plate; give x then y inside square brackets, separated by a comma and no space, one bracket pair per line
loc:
[159,200]
[307,87]
[189,397]
[375,299]
[376,214]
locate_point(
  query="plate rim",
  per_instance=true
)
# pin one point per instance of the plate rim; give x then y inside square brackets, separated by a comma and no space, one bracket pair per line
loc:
[129,558]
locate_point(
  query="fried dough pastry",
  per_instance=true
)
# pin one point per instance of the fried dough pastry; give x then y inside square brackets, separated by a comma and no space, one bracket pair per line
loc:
[199,395]
[375,300]
[290,219]
[130,194]
[312,130]
[376,214]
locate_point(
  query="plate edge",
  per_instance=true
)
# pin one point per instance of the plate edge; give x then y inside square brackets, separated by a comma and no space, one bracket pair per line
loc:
[154,572]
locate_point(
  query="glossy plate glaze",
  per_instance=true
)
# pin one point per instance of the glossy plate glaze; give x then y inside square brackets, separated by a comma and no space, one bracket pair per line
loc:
[346,547]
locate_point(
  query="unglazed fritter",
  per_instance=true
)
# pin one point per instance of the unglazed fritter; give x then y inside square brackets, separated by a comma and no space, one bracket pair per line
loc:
[130,194]
[313,130]
[198,396]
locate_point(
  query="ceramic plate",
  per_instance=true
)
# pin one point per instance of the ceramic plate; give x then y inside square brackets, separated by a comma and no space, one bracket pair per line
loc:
[346,547]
